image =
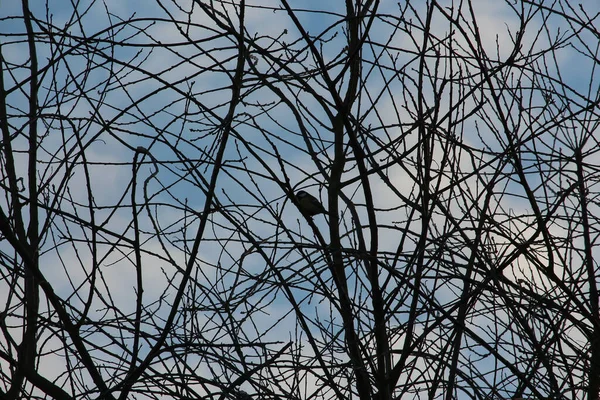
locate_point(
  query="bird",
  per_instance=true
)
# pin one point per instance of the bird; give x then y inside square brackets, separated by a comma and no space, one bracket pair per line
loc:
[309,205]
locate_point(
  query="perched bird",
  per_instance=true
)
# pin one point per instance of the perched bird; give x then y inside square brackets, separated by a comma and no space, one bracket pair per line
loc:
[309,205]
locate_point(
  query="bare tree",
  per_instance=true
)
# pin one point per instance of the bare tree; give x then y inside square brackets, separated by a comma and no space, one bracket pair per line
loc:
[152,245]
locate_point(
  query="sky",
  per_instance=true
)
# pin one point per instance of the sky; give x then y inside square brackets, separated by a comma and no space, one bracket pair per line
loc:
[175,123]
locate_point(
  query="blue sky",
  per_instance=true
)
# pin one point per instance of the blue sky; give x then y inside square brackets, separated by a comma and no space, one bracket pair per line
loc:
[177,123]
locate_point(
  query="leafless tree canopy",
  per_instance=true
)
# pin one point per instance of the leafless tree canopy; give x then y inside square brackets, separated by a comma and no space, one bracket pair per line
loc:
[152,247]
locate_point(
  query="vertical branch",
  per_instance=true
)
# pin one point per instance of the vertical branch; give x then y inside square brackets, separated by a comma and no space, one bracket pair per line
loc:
[423,176]
[356,40]
[138,270]
[236,85]
[28,348]
[593,390]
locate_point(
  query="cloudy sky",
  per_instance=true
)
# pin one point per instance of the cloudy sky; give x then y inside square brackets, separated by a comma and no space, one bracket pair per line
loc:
[153,83]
